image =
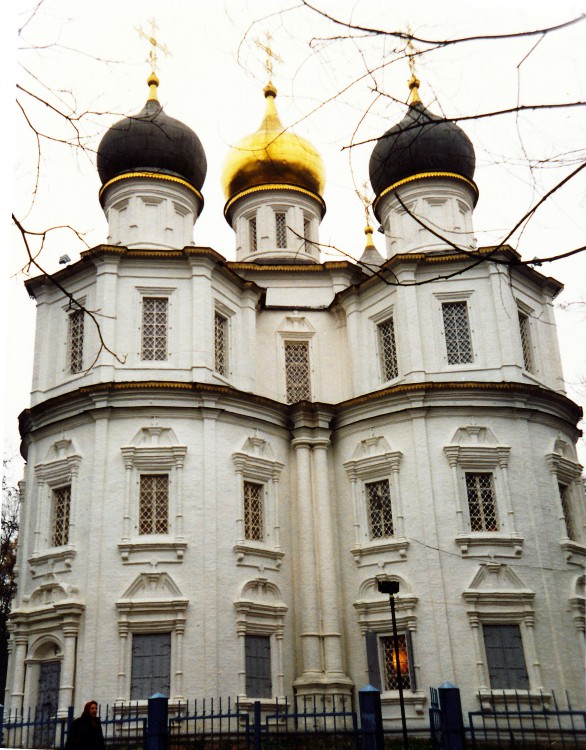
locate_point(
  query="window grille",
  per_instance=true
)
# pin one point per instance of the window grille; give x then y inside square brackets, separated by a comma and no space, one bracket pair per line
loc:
[281,229]
[505,658]
[525,332]
[154,504]
[76,325]
[481,502]
[253,511]
[380,514]
[252,234]
[151,665]
[457,332]
[307,235]
[387,349]
[61,511]
[391,678]
[297,371]
[257,652]
[221,343]
[567,511]
[155,314]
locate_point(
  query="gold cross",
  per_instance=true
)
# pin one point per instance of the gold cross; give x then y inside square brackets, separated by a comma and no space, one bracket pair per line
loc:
[366,201]
[155,45]
[268,50]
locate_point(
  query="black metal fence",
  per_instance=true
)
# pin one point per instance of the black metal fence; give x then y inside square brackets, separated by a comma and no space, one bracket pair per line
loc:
[313,722]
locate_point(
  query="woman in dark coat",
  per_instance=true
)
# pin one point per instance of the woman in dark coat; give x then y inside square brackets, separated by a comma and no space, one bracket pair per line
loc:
[85,733]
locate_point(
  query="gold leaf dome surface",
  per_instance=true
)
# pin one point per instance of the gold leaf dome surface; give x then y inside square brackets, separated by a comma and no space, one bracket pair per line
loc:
[272,156]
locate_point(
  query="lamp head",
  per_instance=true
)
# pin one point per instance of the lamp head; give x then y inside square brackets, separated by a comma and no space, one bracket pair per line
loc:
[388,587]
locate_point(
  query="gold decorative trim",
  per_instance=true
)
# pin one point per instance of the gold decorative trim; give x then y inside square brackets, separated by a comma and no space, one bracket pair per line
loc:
[150,176]
[424,176]
[278,186]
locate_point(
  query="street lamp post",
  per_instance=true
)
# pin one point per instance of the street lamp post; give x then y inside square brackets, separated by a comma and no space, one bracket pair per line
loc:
[391,588]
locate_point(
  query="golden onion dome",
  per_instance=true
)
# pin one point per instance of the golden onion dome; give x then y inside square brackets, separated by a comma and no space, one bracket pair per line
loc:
[272,156]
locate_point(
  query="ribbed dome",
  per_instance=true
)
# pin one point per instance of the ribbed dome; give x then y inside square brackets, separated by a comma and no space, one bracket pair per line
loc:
[422,144]
[272,156]
[151,141]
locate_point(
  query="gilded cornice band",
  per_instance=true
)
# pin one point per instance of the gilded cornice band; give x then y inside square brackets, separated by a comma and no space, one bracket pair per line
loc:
[425,176]
[261,188]
[151,176]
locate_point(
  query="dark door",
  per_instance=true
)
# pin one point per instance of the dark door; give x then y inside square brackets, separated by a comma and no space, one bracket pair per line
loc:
[47,703]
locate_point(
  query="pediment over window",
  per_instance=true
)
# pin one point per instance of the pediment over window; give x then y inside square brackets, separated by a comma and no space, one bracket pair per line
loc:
[473,435]
[256,460]
[49,594]
[372,457]
[261,591]
[476,445]
[298,325]
[497,582]
[150,586]
[373,608]
[62,460]
[154,447]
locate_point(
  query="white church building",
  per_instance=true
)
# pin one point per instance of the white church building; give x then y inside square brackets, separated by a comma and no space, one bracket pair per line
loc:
[210,502]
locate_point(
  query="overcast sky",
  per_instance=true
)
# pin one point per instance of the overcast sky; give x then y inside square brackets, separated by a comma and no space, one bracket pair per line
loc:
[90,52]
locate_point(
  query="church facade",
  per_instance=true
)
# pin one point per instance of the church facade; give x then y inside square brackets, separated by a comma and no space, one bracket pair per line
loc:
[222,472]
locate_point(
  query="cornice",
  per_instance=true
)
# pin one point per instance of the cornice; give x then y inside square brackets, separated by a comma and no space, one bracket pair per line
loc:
[151,176]
[277,186]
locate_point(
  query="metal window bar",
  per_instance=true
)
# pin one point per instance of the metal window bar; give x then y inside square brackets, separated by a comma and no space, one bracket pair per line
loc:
[457,333]
[380,512]
[281,229]
[76,329]
[253,511]
[297,373]
[391,678]
[388,349]
[525,331]
[154,504]
[155,313]
[221,343]
[567,511]
[481,501]
[252,236]
[61,513]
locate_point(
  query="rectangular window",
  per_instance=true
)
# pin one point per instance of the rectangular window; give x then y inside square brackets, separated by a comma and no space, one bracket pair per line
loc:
[281,229]
[481,501]
[76,324]
[221,343]
[525,331]
[253,511]
[252,234]
[257,651]
[380,514]
[297,371]
[61,511]
[387,349]
[505,658]
[390,675]
[307,235]
[155,317]
[154,504]
[151,665]
[457,332]
[567,510]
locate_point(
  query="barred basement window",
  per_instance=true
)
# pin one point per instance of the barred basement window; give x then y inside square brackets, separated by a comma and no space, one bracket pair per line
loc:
[154,504]
[76,324]
[281,229]
[507,669]
[387,349]
[525,331]
[380,514]
[297,371]
[61,511]
[307,235]
[253,511]
[567,510]
[390,676]
[252,234]
[481,501]
[457,332]
[155,314]
[151,665]
[221,343]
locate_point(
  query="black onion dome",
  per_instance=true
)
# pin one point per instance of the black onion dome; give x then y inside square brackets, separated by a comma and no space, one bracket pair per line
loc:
[151,141]
[421,143]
